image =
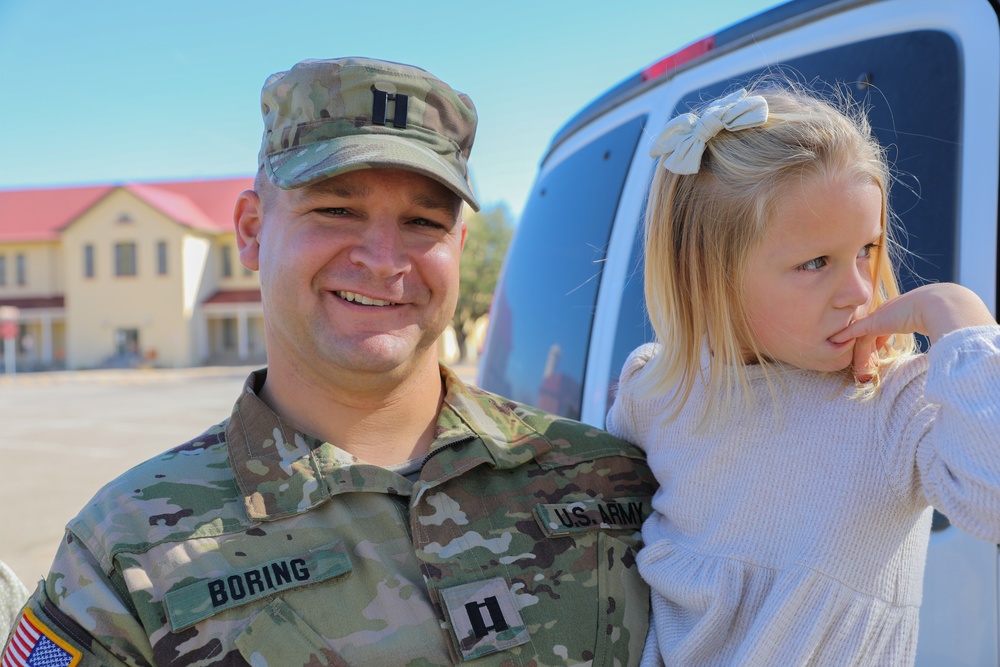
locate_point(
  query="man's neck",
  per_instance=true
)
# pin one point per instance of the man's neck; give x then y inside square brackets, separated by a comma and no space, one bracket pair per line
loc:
[379,422]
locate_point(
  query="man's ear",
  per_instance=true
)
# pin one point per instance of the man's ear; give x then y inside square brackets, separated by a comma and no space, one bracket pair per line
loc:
[248,219]
[465,230]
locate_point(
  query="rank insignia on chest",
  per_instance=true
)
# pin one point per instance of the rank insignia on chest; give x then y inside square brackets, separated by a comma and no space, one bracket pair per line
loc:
[484,617]
[585,515]
[34,644]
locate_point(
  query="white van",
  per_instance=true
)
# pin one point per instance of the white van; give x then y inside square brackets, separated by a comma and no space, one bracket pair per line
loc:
[569,306]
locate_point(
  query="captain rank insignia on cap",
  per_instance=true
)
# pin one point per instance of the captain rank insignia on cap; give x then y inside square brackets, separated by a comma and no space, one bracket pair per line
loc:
[385,93]
[34,644]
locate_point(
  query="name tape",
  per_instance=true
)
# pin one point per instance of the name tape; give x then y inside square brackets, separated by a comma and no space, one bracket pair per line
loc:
[196,602]
[586,515]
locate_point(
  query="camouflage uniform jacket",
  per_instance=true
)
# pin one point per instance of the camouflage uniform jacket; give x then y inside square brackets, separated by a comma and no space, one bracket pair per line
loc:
[254,544]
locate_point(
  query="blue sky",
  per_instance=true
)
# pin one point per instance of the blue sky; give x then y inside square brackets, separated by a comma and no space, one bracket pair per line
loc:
[108,91]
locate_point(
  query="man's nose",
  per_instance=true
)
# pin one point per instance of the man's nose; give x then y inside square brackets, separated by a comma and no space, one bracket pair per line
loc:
[380,248]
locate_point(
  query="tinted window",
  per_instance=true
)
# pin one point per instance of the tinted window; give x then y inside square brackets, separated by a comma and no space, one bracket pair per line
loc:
[543,309]
[914,101]
[633,327]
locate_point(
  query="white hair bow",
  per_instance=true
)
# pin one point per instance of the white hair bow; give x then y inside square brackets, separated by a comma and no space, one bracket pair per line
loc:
[683,140]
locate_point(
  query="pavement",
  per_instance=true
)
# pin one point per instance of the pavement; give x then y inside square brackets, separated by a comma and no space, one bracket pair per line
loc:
[63,435]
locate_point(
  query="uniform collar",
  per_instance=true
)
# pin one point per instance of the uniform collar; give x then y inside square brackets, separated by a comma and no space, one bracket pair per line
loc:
[281,471]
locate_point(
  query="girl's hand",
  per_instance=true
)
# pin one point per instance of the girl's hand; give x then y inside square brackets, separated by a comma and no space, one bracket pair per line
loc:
[931,310]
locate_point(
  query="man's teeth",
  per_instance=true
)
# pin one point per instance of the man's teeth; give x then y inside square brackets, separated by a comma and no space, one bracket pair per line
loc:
[359,298]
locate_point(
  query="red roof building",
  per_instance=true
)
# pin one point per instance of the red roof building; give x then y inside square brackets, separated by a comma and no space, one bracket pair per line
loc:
[124,274]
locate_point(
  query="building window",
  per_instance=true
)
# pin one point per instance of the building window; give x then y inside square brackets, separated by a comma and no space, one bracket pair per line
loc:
[88,261]
[227,261]
[3,270]
[161,258]
[229,333]
[125,259]
[22,270]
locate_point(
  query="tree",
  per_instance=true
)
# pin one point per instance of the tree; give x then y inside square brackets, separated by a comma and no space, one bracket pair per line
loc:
[489,234]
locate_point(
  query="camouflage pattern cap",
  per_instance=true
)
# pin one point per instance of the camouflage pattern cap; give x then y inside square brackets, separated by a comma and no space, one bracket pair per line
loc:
[328,117]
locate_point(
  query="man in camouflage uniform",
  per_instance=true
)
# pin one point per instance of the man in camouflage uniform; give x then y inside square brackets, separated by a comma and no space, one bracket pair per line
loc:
[361,505]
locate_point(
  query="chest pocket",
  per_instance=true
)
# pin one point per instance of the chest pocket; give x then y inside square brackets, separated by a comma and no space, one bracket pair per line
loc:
[592,606]
[235,588]
[537,584]
[278,637]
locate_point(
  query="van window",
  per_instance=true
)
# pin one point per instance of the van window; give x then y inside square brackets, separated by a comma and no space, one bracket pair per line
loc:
[908,83]
[633,327]
[543,309]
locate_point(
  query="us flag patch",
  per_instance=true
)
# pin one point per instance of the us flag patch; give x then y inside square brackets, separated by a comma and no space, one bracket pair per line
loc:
[33,644]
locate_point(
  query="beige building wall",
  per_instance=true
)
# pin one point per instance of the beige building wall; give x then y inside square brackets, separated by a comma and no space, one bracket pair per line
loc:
[229,332]
[240,278]
[223,270]
[35,270]
[42,269]
[148,314]
[196,255]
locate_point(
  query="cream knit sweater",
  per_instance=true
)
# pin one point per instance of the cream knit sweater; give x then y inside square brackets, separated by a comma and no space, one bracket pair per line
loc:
[13,595]
[797,534]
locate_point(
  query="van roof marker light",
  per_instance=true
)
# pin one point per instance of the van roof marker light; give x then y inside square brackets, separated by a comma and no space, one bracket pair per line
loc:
[678,58]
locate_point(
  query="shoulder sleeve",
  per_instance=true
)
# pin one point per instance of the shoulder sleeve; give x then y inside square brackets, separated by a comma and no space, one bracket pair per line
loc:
[12,596]
[621,418]
[78,616]
[959,459]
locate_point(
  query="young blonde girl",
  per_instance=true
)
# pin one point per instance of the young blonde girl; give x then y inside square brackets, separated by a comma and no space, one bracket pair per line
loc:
[798,437]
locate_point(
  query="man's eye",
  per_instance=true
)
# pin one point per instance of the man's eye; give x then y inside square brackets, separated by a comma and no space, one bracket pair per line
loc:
[814,264]
[424,222]
[333,211]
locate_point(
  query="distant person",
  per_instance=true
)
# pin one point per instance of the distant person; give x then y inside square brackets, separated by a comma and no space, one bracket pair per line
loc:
[361,505]
[12,596]
[799,439]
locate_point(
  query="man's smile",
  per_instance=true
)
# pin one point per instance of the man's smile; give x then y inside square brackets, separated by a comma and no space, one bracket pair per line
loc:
[364,300]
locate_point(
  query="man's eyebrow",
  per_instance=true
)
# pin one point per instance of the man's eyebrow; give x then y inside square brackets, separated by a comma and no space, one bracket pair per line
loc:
[336,188]
[434,202]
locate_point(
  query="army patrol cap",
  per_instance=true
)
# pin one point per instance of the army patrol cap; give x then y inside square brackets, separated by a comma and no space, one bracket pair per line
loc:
[328,117]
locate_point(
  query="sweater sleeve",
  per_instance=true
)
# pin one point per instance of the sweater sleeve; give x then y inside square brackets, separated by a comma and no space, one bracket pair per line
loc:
[621,419]
[942,427]
[959,463]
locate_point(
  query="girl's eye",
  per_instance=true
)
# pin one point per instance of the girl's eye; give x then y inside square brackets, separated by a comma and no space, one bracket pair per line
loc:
[814,264]
[868,250]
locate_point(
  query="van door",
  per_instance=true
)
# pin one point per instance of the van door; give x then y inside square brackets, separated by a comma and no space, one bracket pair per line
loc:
[930,83]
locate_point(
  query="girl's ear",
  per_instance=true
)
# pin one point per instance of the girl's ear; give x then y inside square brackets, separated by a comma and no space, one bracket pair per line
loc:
[248,219]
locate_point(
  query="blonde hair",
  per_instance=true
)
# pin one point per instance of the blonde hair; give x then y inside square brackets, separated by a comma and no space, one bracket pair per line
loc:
[701,227]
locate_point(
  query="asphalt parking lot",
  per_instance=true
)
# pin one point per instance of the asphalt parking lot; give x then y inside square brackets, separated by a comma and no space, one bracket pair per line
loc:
[64,435]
